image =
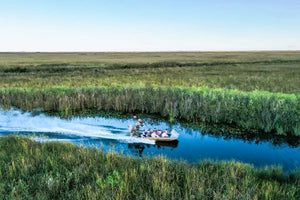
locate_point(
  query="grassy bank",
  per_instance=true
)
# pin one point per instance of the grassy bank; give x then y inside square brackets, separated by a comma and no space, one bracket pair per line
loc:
[270,112]
[61,170]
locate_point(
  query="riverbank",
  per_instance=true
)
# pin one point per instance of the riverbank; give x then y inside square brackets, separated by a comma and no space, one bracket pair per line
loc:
[268,112]
[62,170]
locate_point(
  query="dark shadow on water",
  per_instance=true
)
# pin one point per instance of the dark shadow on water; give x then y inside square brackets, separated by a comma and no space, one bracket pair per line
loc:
[112,127]
[137,149]
[116,132]
[173,144]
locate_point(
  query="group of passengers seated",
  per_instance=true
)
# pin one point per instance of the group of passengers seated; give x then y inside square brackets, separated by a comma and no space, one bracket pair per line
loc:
[148,133]
[155,133]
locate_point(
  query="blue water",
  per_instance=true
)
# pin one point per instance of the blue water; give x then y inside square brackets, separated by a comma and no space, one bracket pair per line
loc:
[192,145]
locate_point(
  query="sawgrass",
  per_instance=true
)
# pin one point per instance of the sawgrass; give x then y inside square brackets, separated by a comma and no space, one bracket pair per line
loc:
[271,112]
[193,87]
[31,170]
[272,77]
[246,71]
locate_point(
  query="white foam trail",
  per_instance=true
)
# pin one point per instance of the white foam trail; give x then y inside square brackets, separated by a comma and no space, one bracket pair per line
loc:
[17,121]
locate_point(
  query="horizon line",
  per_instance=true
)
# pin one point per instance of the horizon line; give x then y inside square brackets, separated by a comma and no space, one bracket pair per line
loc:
[175,51]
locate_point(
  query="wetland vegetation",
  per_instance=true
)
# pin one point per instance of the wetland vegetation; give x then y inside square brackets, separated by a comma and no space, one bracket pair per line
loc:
[62,170]
[254,91]
[278,113]
[248,71]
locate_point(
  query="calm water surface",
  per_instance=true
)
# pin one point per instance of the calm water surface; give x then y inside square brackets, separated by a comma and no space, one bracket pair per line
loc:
[192,145]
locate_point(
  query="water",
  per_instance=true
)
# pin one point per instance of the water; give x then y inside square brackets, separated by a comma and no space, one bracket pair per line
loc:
[192,145]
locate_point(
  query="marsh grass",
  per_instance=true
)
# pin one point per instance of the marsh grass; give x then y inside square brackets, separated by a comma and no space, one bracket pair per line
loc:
[64,171]
[90,58]
[246,71]
[270,112]
[66,83]
[273,77]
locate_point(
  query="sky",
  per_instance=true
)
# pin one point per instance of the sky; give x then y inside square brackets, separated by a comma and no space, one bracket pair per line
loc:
[149,25]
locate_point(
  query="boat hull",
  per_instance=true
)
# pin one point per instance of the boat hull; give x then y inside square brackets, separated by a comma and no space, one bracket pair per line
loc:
[161,139]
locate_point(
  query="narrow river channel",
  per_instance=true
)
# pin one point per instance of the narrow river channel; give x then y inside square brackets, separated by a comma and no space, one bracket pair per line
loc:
[111,133]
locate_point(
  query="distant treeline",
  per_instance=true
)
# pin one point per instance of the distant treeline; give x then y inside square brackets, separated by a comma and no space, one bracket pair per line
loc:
[270,112]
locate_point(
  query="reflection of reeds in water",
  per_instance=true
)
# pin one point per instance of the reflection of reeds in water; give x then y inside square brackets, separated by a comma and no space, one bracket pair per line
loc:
[31,170]
[271,112]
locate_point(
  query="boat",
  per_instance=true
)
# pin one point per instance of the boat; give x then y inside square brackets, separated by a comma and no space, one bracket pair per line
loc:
[160,139]
[173,136]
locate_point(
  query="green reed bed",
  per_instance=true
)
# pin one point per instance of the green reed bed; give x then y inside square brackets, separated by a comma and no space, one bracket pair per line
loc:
[270,112]
[31,170]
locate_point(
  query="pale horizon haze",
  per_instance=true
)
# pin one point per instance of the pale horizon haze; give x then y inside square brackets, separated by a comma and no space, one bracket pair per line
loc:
[153,25]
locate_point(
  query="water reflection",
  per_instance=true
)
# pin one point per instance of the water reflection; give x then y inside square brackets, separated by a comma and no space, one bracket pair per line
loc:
[193,144]
[259,138]
[137,149]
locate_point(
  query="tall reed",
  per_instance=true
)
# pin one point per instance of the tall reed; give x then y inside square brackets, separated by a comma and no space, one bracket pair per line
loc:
[271,112]
[30,170]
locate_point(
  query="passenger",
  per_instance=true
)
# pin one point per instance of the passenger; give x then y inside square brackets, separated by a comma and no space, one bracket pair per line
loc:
[165,134]
[154,134]
[149,133]
[166,131]
[159,132]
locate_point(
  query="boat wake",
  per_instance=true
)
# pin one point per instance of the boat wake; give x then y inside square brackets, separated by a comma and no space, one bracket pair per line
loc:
[16,121]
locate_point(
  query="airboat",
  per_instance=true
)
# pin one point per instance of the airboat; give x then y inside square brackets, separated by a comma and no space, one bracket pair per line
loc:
[172,136]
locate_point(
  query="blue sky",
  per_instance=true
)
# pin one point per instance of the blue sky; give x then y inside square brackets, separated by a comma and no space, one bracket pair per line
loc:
[153,25]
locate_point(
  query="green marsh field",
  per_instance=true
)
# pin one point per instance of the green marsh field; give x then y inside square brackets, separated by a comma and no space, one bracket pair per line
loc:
[245,71]
[254,91]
